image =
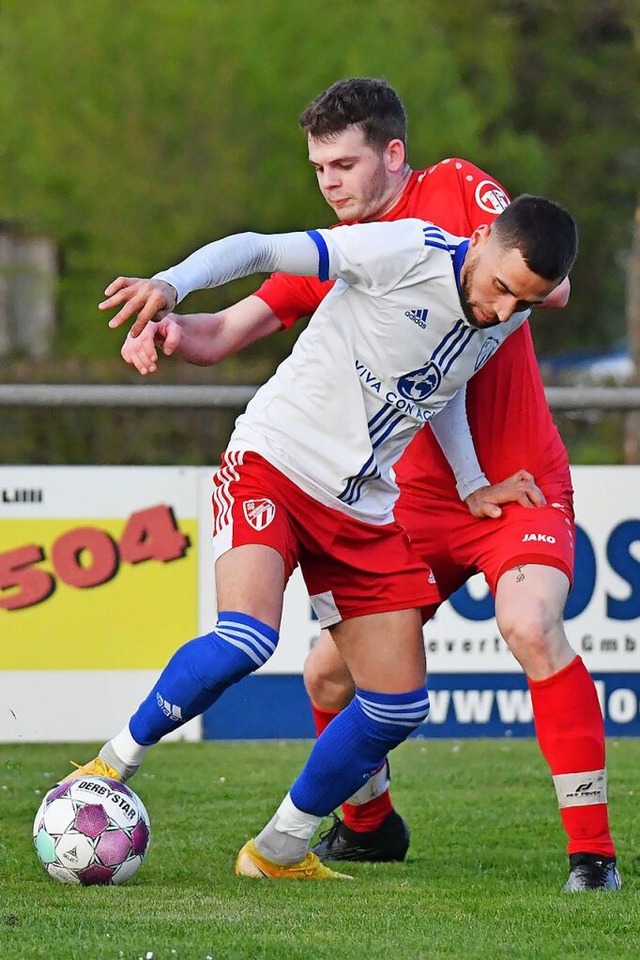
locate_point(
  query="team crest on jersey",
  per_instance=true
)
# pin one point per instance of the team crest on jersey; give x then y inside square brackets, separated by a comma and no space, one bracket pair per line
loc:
[491,198]
[487,350]
[259,513]
[420,384]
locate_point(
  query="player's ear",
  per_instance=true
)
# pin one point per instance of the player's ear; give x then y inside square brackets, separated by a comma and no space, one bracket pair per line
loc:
[395,155]
[480,235]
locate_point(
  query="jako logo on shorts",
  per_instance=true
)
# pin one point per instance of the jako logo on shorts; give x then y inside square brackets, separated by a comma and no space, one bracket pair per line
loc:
[259,513]
[541,537]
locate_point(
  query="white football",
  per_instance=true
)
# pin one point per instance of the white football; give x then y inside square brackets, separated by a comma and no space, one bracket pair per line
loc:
[91,830]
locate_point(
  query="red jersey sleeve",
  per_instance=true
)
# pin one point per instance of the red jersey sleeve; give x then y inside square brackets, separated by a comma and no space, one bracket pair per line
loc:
[292,298]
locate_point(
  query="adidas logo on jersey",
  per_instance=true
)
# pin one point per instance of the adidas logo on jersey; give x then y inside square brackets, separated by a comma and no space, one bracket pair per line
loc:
[418,316]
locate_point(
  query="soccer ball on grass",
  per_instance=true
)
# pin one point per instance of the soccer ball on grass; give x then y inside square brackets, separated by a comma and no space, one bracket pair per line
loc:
[91,830]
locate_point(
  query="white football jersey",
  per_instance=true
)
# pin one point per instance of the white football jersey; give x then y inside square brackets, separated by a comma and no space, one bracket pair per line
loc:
[386,350]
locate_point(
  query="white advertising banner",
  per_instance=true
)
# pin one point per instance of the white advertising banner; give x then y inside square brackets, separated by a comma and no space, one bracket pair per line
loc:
[105,571]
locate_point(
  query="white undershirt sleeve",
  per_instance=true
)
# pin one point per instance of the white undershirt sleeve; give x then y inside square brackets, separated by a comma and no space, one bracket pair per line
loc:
[240,255]
[451,430]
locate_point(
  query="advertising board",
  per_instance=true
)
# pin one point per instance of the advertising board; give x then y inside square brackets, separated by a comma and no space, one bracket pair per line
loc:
[105,571]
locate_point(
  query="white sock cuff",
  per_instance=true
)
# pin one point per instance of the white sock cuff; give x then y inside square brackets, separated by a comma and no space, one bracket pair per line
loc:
[295,822]
[128,749]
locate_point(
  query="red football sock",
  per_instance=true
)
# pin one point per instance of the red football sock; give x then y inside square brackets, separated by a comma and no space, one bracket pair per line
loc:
[363,817]
[570,732]
[322,718]
[368,816]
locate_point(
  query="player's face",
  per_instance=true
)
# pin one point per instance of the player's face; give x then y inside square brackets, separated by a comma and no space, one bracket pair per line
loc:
[496,282]
[358,181]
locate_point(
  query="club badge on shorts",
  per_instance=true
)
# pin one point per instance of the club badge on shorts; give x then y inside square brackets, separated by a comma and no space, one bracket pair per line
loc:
[259,513]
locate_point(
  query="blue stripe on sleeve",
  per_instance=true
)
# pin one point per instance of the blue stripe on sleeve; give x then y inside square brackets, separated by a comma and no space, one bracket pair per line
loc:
[323,254]
[459,255]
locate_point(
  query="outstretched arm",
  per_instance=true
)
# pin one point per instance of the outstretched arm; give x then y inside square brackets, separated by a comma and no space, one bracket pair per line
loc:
[211,266]
[357,254]
[202,339]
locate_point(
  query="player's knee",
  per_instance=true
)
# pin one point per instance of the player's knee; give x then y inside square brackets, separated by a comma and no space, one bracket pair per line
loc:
[240,642]
[329,690]
[326,677]
[528,621]
[536,637]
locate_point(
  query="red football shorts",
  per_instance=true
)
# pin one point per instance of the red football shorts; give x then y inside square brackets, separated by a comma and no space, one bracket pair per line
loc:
[457,545]
[351,568]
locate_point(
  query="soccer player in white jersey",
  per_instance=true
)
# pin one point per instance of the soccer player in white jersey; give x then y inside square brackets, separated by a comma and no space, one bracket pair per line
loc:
[307,478]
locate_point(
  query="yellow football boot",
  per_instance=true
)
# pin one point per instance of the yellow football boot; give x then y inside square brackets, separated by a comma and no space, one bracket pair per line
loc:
[251,863]
[94,768]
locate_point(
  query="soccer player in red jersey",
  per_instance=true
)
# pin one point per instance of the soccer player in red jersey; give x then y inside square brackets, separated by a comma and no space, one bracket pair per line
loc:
[356,133]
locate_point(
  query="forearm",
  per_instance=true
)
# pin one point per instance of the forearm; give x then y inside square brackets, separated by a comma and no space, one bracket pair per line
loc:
[451,429]
[240,255]
[209,338]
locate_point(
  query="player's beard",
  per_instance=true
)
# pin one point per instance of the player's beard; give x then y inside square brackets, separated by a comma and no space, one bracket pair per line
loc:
[465,300]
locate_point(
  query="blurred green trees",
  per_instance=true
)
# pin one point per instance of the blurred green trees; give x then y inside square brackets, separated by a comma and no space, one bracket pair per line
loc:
[134,132]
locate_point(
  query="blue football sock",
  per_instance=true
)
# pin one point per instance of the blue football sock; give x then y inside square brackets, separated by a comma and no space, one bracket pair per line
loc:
[200,671]
[354,745]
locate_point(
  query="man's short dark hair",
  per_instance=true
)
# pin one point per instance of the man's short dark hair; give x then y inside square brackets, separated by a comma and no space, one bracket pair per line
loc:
[369,103]
[544,232]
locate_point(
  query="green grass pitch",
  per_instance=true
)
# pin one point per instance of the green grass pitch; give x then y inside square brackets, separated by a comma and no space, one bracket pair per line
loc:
[482,880]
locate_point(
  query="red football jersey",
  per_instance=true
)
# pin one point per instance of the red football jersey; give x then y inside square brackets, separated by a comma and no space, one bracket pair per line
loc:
[507,409]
